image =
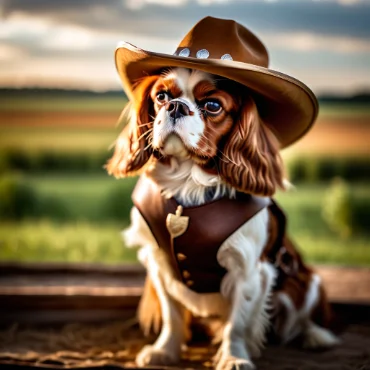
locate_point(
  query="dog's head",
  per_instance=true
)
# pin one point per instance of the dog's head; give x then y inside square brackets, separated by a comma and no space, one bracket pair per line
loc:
[214,121]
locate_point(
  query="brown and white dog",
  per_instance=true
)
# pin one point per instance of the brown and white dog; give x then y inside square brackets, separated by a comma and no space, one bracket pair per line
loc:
[199,138]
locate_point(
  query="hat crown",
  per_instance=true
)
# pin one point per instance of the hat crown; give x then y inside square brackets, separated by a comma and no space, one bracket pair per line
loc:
[216,38]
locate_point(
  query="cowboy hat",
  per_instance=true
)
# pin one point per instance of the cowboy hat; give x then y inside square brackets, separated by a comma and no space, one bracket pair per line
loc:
[228,49]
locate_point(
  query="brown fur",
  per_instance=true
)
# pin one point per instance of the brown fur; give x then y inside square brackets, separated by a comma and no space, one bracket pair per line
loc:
[132,151]
[256,166]
[322,313]
[149,314]
[216,127]
[168,85]
[149,311]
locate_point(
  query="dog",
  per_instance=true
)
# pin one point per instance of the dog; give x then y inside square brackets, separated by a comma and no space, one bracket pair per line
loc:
[213,240]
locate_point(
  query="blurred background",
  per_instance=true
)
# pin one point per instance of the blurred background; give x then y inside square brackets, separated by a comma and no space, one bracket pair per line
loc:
[60,100]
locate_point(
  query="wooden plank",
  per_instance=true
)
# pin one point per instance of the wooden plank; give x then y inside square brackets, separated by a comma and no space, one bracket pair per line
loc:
[35,268]
[44,291]
[346,284]
[342,283]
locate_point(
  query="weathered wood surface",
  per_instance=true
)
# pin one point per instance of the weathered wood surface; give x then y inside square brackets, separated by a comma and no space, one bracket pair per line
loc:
[42,292]
[57,293]
[342,283]
[115,344]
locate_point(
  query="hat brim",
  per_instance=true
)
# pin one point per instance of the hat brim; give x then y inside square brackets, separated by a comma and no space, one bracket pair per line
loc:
[285,104]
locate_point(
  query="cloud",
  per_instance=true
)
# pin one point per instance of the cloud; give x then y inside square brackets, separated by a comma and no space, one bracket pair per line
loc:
[350,2]
[73,41]
[160,16]
[10,52]
[308,42]
[139,4]
[69,38]
[76,73]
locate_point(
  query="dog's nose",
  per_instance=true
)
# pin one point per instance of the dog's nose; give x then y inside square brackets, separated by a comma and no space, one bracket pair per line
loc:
[177,109]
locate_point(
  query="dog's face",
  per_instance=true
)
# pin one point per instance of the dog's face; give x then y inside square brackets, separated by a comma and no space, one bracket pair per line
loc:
[214,121]
[192,114]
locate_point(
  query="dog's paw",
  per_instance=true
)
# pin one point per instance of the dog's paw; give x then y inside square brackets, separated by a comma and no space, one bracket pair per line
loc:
[238,359]
[318,337]
[150,355]
[233,363]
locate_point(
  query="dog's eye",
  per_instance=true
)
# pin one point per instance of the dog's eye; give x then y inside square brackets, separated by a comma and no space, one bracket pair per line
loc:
[162,97]
[213,106]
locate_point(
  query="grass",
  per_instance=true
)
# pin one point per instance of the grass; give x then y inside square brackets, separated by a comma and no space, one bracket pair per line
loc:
[87,197]
[44,103]
[94,203]
[59,138]
[42,240]
[316,242]
[330,249]
[84,194]
[46,241]
[344,110]
[91,235]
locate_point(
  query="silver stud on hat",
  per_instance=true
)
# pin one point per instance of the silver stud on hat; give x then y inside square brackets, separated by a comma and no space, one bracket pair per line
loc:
[202,54]
[227,57]
[184,52]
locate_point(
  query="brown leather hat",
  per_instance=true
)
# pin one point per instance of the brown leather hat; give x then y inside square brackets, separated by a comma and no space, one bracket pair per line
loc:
[228,49]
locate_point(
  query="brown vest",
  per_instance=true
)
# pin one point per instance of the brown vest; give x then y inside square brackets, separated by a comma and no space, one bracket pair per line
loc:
[193,255]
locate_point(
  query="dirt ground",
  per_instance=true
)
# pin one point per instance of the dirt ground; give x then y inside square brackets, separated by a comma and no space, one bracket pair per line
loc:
[116,344]
[59,119]
[336,137]
[352,353]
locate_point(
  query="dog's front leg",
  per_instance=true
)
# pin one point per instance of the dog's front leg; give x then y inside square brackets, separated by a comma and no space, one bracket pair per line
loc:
[167,348]
[246,286]
[233,352]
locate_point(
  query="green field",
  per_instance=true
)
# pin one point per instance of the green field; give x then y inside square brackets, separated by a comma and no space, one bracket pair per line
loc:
[81,211]
[350,110]
[45,103]
[46,241]
[78,139]
[91,233]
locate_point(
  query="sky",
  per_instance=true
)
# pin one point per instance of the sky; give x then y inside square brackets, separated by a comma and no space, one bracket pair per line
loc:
[71,43]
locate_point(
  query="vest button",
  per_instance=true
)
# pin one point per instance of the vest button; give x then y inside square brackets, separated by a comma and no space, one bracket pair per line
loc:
[181,257]
[186,274]
[189,282]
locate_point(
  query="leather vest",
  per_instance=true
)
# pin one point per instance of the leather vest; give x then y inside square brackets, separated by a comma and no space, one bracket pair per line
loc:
[199,231]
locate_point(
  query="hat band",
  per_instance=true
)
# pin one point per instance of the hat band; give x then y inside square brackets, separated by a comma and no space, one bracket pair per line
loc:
[201,54]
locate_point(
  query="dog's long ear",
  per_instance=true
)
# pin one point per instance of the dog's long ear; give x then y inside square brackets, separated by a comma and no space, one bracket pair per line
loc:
[132,149]
[252,163]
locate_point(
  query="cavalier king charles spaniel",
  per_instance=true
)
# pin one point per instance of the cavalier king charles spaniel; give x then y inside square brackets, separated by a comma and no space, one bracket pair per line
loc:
[198,138]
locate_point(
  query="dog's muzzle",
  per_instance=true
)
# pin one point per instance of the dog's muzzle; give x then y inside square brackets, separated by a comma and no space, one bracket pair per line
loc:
[177,108]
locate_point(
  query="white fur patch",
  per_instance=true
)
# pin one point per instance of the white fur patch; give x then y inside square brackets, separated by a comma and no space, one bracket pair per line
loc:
[299,322]
[312,295]
[187,182]
[318,337]
[293,325]
[189,128]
